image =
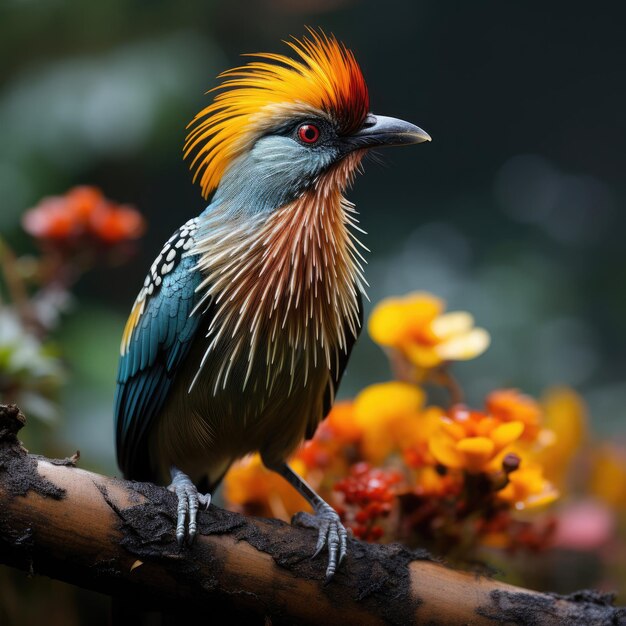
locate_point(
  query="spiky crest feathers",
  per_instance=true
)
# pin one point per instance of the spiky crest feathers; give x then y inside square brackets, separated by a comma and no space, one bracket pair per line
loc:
[324,79]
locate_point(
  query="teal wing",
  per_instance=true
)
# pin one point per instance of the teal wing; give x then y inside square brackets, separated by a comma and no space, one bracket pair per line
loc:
[157,338]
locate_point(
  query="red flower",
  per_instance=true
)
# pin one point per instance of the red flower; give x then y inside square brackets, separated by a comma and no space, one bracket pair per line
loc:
[368,495]
[83,212]
[117,224]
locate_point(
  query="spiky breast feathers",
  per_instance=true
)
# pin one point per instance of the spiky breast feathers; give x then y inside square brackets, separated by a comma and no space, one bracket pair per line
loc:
[283,288]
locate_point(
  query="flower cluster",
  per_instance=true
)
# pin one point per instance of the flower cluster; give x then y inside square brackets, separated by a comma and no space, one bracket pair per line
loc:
[83,213]
[370,493]
[75,232]
[449,477]
[472,440]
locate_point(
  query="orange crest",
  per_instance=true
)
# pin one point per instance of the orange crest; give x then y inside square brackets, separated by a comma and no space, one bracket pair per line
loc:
[324,79]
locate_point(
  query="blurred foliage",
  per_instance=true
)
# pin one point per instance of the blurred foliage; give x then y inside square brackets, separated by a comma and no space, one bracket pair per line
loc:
[74,232]
[30,371]
[513,212]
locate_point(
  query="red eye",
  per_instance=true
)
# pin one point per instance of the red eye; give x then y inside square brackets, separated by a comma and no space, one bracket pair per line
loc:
[308,133]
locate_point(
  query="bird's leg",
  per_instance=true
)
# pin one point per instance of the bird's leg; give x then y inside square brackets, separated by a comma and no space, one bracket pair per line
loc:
[189,500]
[331,531]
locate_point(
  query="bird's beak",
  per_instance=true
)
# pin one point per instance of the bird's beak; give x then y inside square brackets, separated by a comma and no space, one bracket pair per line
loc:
[378,130]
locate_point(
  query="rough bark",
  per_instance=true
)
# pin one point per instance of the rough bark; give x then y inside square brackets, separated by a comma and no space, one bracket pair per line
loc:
[116,537]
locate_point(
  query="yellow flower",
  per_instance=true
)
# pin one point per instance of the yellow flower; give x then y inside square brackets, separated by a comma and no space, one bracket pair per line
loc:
[417,326]
[388,415]
[393,319]
[608,475]
[528,488]
[473,441]
[564,429]
[429,482]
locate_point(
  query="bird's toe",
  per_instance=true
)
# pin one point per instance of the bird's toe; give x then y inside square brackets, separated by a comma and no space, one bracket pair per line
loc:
[189,501]
[331,534]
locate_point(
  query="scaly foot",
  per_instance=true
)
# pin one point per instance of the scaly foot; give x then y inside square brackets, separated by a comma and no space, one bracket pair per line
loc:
[331,533]
[189,500]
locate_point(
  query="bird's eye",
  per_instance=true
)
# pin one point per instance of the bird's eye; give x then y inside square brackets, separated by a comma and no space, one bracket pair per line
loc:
[308,133]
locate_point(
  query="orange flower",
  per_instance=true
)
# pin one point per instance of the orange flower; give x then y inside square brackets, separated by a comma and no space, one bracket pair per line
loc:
[117,224]
[83,212]
[342,422]
[251,488]
[509,405]
[50,219]
[338,432]
[414,441]
[473,441]
[416,326]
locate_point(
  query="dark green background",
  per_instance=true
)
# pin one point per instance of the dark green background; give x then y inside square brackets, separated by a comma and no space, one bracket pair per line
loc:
[515,212]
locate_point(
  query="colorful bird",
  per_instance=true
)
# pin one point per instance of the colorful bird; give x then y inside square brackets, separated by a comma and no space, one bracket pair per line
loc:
[241,332]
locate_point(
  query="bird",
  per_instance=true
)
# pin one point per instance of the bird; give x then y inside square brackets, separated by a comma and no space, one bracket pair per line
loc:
[241,332]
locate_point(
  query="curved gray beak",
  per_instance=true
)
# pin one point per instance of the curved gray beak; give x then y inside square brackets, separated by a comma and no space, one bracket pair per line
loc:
[378,130]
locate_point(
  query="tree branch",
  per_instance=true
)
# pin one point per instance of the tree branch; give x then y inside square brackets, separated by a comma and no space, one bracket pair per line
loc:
[117,537]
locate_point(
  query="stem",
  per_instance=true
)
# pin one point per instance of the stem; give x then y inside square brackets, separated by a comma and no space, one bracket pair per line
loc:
[16,287]
[443,377]
[401,368]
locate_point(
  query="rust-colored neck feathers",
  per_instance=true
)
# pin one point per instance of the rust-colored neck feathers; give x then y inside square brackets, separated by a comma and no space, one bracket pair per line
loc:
[284,287]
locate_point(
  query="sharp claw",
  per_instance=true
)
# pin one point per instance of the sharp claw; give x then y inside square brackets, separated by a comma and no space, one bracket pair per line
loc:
[342,554]
[343,550]
[330,530]
[192,498]
[331,534]
[181,515]
[321,539]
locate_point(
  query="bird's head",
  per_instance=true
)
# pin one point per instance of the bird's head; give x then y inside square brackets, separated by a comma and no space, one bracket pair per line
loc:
[278,124]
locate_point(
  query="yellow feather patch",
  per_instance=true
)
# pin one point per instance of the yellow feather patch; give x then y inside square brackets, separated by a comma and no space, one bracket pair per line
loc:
[324,79]
[131,324]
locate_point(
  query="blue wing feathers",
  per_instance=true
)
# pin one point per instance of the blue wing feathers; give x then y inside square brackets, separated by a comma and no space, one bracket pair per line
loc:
[157,348]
